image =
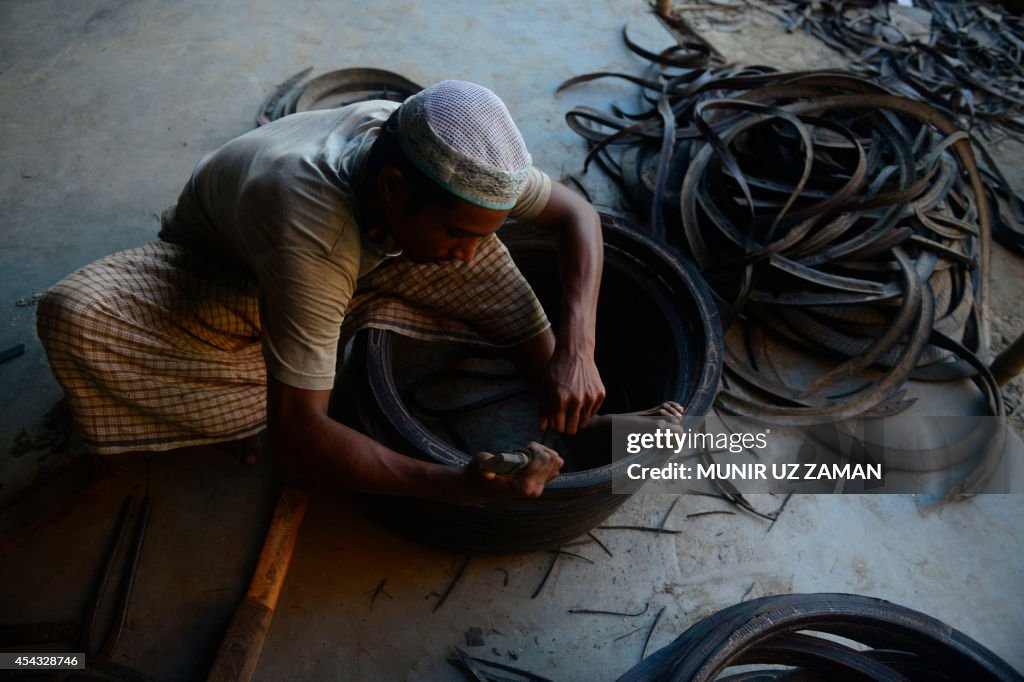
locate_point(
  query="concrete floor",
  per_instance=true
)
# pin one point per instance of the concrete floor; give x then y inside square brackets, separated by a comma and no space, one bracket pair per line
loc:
[106,108]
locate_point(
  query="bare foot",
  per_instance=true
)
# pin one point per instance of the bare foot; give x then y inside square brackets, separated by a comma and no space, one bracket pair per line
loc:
[669,410]
[597,437]
[246,450]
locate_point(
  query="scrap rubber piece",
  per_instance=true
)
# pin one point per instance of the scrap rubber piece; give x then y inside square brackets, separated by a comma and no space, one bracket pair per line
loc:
[898,644]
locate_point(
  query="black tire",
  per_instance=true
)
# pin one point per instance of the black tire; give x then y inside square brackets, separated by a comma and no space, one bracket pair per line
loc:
[681,325]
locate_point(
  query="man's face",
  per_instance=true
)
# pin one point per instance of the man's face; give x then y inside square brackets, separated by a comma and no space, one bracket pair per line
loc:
[440,234]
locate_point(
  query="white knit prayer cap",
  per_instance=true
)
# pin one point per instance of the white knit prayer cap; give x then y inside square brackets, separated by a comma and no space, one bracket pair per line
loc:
[461,135]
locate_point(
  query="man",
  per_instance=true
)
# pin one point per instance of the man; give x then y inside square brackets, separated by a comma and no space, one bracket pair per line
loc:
[293,236]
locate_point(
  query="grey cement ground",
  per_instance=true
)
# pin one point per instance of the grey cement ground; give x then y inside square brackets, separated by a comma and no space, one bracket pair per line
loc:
[106,108]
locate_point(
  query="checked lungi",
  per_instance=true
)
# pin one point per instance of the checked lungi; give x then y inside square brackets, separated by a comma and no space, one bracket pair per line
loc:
[157,349]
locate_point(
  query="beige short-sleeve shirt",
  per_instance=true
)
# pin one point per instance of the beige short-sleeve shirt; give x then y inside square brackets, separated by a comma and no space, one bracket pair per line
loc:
[279,203]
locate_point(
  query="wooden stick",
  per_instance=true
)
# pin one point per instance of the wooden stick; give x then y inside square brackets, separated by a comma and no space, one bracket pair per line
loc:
[240,651]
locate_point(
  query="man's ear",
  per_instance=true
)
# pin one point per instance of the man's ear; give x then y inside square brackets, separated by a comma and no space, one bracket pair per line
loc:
[392,185]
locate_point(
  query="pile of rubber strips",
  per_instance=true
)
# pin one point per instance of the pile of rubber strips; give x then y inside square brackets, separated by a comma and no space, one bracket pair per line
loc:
[802,637]
[825,209]
[966,58]
[821,636]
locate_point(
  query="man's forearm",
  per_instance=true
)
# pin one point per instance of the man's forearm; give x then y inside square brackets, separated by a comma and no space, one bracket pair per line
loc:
[580,263]
[339,456]
[571,388]
[318,450]
[580,266]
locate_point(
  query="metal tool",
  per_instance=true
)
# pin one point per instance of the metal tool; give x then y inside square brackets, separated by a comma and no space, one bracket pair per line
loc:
[12,352]
[509,463]
[133,522]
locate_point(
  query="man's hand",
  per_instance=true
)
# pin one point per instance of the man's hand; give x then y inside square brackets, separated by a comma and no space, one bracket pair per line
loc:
[571,391]
[486,486]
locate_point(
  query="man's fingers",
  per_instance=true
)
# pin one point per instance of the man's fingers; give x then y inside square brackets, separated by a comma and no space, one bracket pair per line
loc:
[539,452]
[565,413]
[559,419]
[542,470]
[569,413]
[543,456]
[544,466]
[572,417]
[591,410]
[599,402]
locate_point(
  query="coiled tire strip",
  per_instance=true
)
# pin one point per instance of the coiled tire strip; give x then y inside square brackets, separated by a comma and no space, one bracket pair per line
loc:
[892,643]
[826,212]
[334,89]
[970,65]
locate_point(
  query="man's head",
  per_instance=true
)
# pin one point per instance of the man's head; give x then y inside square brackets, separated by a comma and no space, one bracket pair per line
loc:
[447,167]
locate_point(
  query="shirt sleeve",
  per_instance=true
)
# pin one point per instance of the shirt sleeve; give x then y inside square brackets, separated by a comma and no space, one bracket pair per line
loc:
[534,196]
[305,285]
[303,299]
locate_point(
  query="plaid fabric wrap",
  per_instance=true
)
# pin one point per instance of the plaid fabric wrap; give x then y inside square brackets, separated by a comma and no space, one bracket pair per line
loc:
[156,349]
[154,352]
[485,300]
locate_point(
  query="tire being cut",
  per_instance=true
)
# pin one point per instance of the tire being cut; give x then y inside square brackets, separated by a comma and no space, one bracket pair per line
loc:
[658,335]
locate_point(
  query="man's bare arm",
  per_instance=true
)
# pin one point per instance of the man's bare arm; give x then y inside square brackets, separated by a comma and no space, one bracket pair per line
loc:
[571,387]
[306,439]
